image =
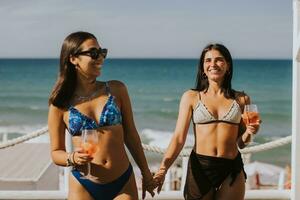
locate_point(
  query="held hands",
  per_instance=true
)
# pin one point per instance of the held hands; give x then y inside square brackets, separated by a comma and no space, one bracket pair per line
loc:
[148,184]
[159,178]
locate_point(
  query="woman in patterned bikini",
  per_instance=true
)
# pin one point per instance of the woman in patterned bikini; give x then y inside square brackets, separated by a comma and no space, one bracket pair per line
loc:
[78,102]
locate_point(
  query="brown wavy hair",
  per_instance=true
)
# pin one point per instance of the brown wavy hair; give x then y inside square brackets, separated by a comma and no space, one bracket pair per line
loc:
[65,85]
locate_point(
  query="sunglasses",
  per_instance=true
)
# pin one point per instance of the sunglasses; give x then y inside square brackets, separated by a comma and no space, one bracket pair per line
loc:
[94,53]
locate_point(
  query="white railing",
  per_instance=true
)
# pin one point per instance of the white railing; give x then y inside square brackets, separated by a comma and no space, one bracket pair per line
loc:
[169,195]
[295,192]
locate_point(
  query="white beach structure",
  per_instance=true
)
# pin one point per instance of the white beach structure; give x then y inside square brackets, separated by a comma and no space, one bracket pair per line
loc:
[295,192]
[28,166]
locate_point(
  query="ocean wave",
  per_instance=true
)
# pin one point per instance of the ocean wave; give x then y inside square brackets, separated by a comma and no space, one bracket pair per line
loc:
[22,108]
[169,99]
[17,95]
[158,112]
[165,110]
[35,108]
[22,129]
[276,116]
[161,138]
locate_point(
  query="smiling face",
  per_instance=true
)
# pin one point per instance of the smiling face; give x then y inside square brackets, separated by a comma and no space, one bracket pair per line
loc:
[85,64]
[215,66]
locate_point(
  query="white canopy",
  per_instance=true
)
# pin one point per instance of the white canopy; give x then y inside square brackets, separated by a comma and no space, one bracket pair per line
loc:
[268,174]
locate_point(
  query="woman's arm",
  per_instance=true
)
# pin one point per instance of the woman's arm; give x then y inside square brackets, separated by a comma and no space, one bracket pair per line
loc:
[245,132]
[57,136]
[131,136]
[244,139]
[57,129]
[133,141]
[178,140]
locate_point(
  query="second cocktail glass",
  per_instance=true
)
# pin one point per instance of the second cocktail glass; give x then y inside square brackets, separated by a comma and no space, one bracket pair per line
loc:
[89,140]
[251,116]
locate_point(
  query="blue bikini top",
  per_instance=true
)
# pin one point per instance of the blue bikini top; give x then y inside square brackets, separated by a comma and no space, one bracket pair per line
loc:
[110,115]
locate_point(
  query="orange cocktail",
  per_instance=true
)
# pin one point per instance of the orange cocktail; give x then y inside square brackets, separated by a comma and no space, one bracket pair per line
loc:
[89,147]
[251,118]
[89,141]
[251,115]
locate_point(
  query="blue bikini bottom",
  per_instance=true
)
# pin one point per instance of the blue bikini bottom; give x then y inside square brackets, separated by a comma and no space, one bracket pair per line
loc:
[107,191]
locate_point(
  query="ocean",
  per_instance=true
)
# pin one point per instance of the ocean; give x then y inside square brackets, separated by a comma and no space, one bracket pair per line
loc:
[155,87]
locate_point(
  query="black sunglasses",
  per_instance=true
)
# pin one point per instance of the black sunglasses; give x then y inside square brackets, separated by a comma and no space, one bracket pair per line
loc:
[94,53]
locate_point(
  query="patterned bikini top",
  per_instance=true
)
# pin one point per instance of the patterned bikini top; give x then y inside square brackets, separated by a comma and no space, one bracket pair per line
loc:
[201,115]
[110,115]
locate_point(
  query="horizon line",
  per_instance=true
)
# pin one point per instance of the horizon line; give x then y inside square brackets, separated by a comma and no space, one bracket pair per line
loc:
[144,58]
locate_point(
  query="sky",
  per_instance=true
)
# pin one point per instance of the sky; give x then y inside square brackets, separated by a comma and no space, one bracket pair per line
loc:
[149,29]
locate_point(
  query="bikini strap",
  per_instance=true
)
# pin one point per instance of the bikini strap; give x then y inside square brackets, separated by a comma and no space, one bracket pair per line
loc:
[199,95]
[107,89]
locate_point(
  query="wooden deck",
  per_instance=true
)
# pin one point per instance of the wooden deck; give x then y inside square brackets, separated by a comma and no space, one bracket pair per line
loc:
[28,166]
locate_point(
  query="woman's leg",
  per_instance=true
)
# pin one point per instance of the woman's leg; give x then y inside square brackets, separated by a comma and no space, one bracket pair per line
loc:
[193,193]
[191,189]
[76,190]
[129,191]
[236,191]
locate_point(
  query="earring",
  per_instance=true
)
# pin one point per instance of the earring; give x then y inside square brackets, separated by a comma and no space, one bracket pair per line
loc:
[204,76]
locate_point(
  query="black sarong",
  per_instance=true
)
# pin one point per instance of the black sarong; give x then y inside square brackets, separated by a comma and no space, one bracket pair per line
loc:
[206,173]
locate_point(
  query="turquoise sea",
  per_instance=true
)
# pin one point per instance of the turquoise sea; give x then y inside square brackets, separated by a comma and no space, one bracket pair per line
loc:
[155,87]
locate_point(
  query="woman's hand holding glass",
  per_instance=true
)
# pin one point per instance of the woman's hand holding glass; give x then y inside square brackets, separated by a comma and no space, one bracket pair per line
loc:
[252,120]
[80,157]
[89,140]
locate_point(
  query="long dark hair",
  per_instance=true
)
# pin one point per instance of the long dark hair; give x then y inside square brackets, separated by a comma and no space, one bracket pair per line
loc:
[66,82]
[201,79]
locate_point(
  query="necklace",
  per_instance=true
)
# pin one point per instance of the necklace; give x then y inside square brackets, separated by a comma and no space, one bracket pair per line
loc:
[87,97]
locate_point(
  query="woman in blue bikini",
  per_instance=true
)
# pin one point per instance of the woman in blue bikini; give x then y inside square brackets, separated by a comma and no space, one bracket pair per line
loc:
[215,168]
[77,102]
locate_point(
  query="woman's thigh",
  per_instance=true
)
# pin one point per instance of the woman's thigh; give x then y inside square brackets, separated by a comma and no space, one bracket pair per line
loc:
[192,190]
[129,191]
[208,196]
[235,191]
[76,190]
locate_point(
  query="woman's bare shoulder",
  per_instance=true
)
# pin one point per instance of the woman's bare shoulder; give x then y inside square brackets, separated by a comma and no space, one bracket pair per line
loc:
[118,89]
[190,96]
[56,112]
[54,108]
[191,93]
[116,85]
